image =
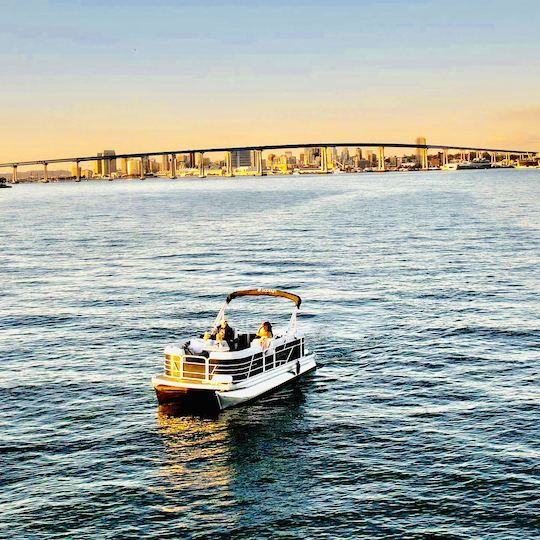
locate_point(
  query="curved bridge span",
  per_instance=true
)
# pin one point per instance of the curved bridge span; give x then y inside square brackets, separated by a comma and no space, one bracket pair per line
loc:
[258,149]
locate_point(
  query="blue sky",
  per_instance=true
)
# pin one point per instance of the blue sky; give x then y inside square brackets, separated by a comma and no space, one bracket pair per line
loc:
[135,75]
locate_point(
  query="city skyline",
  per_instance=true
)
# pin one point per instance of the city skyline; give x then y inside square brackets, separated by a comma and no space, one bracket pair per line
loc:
[209,74]
[256,162]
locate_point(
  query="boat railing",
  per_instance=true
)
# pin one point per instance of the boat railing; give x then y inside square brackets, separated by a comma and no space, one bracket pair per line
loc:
[188,367]
[201,369]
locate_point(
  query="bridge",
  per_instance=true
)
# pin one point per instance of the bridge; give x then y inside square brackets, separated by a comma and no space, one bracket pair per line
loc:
[423,149]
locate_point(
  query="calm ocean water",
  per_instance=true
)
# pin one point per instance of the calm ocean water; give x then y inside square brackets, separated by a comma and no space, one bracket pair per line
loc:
[421,299]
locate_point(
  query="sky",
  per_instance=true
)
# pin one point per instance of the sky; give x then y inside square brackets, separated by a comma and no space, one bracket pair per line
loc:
[80,76]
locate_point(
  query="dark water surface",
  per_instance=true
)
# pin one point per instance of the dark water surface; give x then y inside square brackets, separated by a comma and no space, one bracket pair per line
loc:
[421,299]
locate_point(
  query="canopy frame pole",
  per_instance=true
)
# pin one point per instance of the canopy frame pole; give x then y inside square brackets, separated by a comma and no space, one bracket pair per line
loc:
[220,315]
[291,329]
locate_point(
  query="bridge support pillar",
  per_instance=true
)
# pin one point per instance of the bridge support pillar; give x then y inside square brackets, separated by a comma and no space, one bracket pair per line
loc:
[324,161]
[142,174]
[14,179]
[45,173]
[173,166]
[191,160]
[228,164]
[493,158]
[77,172]
[445,156]
[380,159]
[330,158]
[424,159]
[201,165]
[258,162]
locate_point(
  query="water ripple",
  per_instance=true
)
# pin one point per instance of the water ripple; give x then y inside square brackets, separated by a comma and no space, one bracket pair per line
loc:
[421,300]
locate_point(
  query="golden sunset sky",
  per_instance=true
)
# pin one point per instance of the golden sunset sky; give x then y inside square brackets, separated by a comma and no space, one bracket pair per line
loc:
[82,76]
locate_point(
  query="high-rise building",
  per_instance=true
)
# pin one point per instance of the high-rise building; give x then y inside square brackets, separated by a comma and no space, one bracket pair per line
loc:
[370,157]
[419,140]
[108,165]
[367,154]
[358,157]
[98,170]
[182,161]
[144,165]
[134,167]
[165,163]
[123,166]
[331,154]
[152,165]
[312,156]
[241,158]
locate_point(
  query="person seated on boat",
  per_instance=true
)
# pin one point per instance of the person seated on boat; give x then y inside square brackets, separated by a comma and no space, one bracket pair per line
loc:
[220,337]
[265,330]
[264,333]
[225,333]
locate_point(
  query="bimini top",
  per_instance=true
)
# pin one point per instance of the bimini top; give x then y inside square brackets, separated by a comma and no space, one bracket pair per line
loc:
[265,292]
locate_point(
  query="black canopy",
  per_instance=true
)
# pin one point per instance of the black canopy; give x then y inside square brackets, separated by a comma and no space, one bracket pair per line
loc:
[266,292]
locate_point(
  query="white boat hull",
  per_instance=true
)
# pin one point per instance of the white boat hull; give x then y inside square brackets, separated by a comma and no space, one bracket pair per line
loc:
[226,396]
[273,379]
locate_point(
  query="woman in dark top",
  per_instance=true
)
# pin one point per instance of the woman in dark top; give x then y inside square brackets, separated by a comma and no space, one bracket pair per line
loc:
[225,331]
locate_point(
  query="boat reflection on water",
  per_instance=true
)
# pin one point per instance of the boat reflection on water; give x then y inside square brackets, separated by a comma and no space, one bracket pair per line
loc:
[195,449]
[212,464]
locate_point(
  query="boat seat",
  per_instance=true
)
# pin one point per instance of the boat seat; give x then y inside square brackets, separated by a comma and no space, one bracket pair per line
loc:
[244,341]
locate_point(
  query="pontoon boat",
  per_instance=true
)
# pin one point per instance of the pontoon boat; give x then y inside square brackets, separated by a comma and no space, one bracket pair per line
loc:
[209,372]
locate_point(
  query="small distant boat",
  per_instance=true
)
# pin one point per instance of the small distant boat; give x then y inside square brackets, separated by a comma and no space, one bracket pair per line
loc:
[3,183]
[450,167]
[481,164]
[467,165]
[216,374]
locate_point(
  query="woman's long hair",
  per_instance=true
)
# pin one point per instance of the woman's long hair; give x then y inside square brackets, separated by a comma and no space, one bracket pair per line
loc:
[268,327]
